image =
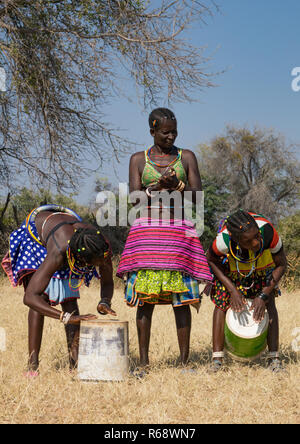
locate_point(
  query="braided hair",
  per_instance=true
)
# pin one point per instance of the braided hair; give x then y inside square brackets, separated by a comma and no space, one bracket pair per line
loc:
[88,243]
[240,222]
[158,114]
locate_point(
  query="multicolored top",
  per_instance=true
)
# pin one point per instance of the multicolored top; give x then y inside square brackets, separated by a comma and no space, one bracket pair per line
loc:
[151,175]
[272,244]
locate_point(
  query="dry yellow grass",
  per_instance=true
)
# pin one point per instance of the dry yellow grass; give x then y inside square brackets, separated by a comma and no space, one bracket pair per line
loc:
[245,394]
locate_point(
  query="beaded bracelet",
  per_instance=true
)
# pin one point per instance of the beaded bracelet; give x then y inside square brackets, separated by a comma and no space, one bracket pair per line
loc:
[107,304]
[263,296]
[65,317]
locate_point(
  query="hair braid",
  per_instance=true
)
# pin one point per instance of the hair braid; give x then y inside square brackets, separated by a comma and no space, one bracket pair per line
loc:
[87,243]
[158,114]
[240,222]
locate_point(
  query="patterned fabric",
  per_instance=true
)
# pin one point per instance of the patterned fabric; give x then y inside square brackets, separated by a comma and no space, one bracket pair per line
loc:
[151,282]
[150,175]
[26,255]
[161,287]
[249,287]
[59,291]
[164,245]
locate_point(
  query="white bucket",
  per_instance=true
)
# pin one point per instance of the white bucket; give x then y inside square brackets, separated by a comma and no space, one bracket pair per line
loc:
[103,350]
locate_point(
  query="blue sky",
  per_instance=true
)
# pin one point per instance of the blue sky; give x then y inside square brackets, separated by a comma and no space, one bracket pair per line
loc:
[257,43]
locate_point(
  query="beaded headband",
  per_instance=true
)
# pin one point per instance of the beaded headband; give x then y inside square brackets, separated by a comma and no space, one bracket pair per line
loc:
[163,117]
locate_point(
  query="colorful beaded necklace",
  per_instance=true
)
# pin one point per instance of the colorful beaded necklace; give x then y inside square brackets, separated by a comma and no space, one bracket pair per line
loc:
[252,259]
[158,164]
[76,270]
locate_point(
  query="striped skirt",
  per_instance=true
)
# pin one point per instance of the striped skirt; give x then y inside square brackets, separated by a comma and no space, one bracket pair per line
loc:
[161,245]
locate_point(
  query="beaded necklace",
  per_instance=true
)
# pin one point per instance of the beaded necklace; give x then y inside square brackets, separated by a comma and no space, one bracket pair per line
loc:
[247,261]
[76,270]
[50,207]
[158,164]
[252,259]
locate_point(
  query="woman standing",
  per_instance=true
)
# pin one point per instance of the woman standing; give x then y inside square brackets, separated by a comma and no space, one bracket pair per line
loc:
[163,258]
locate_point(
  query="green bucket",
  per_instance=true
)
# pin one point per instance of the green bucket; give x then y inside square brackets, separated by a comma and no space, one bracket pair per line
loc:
[245,339]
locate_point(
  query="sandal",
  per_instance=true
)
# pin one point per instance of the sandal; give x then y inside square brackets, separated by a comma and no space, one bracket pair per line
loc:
[139,373]
[275,366]
[215,366]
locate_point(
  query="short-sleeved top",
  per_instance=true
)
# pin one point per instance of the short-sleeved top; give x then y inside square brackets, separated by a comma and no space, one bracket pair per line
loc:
[272,244]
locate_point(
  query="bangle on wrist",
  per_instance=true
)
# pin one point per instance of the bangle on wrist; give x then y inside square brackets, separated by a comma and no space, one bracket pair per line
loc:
[263,296]
[65,318]
[107,304]
[180,186]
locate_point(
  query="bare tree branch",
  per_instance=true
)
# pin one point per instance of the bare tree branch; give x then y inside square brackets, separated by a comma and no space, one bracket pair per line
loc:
[62,60]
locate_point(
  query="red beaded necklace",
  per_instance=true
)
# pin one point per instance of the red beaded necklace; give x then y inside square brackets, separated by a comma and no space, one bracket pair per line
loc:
[158,164]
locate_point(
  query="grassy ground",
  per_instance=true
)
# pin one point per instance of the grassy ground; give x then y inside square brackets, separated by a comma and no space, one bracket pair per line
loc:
[244,394]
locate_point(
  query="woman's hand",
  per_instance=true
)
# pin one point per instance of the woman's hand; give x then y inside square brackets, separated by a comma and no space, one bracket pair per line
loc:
[259,307]
[168,180]
[75,319]
[104,309]
[237,301]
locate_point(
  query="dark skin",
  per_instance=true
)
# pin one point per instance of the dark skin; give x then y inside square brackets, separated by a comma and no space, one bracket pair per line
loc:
[250,240]
[163,152]
[36,284]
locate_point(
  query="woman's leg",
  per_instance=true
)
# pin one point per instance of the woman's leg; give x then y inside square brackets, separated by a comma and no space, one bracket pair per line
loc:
[72,333]
[35,334]
[143,323]
[218,331]
[273,332]
[35,331]
[183,320]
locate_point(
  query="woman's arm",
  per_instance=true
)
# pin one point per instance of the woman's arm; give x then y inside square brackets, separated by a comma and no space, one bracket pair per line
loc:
[33,296]
[107,288]
[237,300]
[279,270]
[135,183]
[259,303]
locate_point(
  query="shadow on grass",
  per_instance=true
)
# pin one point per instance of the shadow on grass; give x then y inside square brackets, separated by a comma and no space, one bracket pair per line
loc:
[203,359]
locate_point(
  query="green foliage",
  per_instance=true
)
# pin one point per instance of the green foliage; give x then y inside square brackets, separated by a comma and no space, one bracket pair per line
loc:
[289,229]
[256,168]
[23,203]
[215,200]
